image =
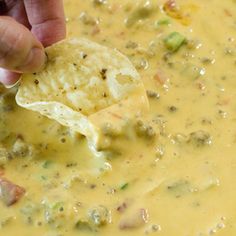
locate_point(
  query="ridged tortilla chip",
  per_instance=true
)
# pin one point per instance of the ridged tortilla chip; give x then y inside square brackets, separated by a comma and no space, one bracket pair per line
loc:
[81,81]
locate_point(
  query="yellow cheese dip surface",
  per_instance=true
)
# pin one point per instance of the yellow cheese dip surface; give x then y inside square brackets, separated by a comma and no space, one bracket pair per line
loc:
[177,177]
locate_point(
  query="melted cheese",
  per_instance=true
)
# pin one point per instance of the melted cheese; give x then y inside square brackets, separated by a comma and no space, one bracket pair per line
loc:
[181,182]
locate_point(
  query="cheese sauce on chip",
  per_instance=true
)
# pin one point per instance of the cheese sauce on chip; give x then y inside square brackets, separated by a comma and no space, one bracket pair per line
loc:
[82,78]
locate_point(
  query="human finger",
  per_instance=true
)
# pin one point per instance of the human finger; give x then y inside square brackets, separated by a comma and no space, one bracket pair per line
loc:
[15,9]
[8,78]
[47,20]
[19,49]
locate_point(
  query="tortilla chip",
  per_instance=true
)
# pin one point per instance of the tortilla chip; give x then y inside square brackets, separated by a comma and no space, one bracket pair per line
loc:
[82,79]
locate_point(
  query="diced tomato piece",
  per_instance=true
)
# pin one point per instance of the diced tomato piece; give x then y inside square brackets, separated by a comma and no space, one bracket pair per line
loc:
[10,193]
[170,5]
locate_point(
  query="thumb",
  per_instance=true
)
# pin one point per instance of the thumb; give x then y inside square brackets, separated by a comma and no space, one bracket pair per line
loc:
[19,49]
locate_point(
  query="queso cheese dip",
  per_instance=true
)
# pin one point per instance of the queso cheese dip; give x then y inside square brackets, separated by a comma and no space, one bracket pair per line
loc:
[177,177]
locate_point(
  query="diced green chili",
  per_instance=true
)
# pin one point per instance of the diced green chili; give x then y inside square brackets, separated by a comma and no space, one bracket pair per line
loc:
[46,164]
[58,206]
[84,226]
[161,22]
[124,186]
[174,41]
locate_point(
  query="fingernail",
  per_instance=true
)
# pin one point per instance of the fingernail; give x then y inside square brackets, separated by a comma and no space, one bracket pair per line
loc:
[9,79]
[34,62]
[9,86]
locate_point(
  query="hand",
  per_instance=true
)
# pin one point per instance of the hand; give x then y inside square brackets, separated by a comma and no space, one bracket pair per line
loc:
[26,27]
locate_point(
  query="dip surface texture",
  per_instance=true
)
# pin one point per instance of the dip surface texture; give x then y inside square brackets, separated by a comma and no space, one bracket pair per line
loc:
[177,175]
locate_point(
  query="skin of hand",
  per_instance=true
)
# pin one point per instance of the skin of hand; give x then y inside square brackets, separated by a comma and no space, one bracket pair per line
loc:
[26,27]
